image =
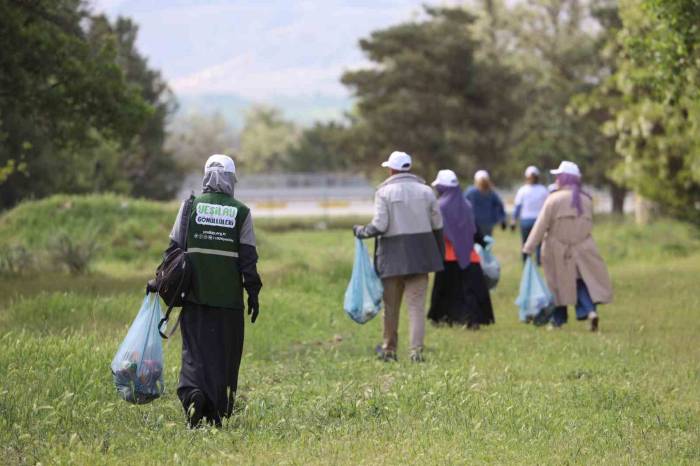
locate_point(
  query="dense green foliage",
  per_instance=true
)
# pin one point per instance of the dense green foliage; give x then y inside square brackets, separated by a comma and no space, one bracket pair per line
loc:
[654,102]
[193,138]
[311,391]
[495,85]
[266,139]
[429,95]
[80,110]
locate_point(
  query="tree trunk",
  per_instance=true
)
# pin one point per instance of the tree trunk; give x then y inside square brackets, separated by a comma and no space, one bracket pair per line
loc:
[642,210]
[618,194]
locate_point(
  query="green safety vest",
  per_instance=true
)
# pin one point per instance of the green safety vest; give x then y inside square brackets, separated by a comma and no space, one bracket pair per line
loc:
[213,240]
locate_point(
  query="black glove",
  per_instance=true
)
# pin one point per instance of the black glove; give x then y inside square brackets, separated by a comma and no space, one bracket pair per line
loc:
[253,308]
[356,230]
[151,286]
[512,226]
[503,225]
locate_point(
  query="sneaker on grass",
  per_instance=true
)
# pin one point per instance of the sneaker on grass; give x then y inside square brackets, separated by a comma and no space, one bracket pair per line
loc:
[417,356]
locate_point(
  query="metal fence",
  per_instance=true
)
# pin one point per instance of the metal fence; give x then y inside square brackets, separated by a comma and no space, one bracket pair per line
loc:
[334,194]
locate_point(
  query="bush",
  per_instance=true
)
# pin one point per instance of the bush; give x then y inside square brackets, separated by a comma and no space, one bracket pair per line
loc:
[16,260]
[74,253]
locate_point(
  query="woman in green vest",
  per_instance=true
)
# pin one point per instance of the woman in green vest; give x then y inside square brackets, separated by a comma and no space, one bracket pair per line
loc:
[220,243]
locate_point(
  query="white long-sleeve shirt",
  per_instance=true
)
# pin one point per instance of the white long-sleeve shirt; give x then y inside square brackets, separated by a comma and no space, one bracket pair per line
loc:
[529,201]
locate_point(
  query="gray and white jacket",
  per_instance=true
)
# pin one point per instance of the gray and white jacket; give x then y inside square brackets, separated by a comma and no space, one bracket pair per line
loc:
[408,222]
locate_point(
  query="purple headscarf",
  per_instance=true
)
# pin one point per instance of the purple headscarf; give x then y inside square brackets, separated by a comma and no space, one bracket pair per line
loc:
[458,220]
[574,182]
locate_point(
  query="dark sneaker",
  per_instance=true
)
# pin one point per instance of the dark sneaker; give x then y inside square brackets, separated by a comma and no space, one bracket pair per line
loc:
[383,355]
[417,356]
[543,317]
[593,319]
[195,410]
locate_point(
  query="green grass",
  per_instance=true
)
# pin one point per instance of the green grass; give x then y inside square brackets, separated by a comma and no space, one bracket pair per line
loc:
[311,391]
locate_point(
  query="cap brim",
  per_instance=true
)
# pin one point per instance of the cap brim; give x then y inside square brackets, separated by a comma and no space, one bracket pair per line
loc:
[556,172]
[435,183]
[385,164]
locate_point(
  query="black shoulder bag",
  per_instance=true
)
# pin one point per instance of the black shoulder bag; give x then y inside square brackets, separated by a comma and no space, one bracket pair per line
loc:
[174,274]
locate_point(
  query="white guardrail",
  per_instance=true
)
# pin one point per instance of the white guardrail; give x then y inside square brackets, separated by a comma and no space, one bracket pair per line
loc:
[328,206]
[354,198]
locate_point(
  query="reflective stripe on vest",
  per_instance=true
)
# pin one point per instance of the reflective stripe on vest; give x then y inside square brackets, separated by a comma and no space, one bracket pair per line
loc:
[213,251]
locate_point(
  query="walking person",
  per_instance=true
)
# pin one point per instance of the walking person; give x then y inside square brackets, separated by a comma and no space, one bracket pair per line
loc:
[220,243]
[408,225]
[487,204]
[460,294]
[573,268]
[528,204]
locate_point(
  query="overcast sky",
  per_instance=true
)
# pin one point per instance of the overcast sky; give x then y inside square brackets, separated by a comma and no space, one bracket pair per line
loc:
[258,49]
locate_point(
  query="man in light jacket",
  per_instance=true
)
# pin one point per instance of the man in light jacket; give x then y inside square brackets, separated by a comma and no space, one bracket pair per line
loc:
[408,222]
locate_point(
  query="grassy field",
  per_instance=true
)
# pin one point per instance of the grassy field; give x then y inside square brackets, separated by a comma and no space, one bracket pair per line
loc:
[311,390]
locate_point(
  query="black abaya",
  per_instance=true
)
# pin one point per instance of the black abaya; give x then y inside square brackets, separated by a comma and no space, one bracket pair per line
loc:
[461,296]
[212,345]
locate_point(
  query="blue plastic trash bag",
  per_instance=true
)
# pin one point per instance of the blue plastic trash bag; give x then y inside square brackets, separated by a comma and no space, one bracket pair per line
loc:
[489,263]
[137,367]
[534,295]
[363,297]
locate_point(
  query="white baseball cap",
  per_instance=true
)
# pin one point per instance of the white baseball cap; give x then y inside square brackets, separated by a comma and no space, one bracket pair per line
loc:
[481,175]
[532,171]
[220,163]
[446,178]
[567,168]
[399,161]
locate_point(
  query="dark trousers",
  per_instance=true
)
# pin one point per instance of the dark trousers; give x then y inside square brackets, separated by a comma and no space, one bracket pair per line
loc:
[485,229]
[212,346]
[526,226]
[584,305]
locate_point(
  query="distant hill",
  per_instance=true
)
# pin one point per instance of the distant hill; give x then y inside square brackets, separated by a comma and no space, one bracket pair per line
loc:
[303,110]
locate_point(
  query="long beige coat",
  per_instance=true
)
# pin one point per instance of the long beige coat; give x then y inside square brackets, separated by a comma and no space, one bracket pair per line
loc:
[568,249]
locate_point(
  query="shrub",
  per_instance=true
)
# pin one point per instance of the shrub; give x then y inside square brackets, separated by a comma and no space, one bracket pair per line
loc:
[16,260]
[73,252]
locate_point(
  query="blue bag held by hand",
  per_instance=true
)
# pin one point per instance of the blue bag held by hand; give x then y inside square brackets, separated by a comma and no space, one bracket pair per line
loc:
[137,367]
[534,295]
[489,264]
[363,297]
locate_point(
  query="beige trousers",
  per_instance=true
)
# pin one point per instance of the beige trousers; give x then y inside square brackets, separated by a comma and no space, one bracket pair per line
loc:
[414,287]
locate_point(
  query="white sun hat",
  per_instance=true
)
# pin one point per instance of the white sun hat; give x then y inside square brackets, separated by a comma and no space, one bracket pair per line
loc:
[446,178]
[567,168]
[532,171]
[399,161]
[220,163]
[481,175]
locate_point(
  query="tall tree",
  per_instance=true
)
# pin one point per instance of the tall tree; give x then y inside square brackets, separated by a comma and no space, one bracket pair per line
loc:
[429,94]
[193,138]
[146,163]
[654,101]
[324,147]
[558,54]
[266,140]
[603,65]
[56,91]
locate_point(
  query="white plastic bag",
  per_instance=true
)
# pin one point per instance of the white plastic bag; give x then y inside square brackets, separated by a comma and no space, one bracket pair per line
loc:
[489,264]
[363,296]
[534,295]
[137,367]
